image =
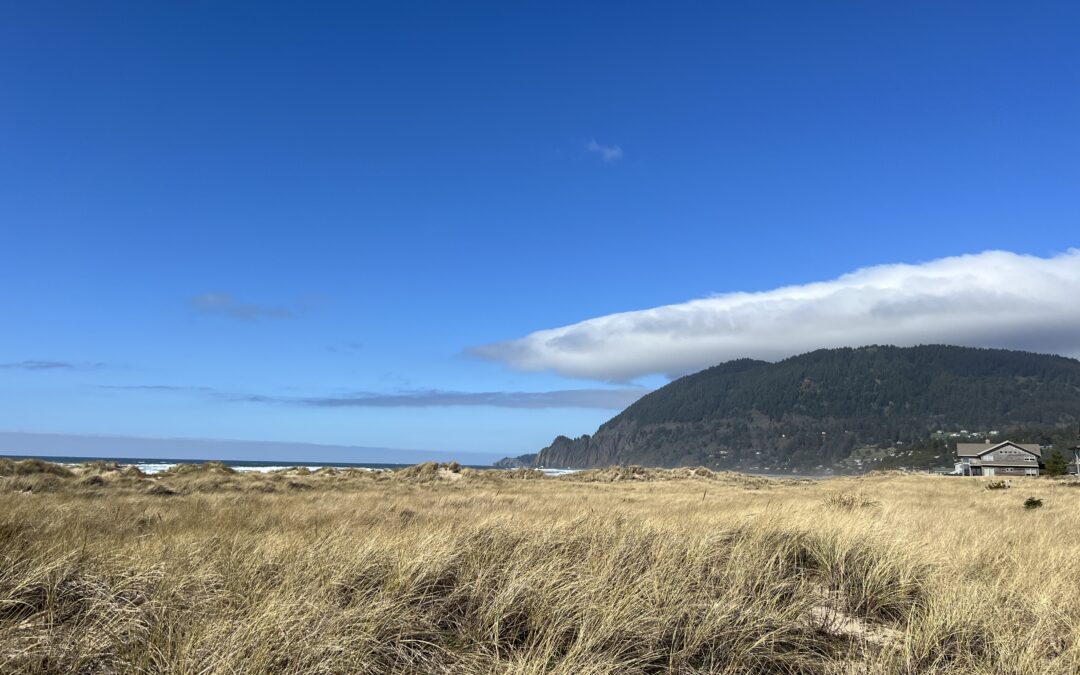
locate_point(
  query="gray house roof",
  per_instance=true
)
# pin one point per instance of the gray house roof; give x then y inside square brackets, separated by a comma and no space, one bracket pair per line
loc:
[977,449]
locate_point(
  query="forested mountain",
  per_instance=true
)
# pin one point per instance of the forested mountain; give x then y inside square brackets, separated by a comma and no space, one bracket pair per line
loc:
[823,410]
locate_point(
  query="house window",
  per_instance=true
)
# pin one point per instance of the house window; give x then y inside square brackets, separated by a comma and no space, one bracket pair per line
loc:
[988,458]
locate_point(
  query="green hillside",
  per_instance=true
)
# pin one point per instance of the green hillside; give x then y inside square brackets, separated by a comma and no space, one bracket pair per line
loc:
[823,410]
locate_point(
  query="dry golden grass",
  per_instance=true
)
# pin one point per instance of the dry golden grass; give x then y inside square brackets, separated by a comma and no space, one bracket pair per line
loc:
[434,569]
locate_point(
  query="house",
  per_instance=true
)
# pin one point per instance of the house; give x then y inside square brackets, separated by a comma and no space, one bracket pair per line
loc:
[998,459]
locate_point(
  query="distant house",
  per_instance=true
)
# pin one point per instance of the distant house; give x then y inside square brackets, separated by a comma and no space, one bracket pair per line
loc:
[998,459]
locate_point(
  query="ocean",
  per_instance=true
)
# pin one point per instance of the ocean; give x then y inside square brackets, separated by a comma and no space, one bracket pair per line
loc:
[152,465]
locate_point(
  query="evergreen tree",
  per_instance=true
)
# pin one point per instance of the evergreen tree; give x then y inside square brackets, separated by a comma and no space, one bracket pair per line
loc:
[1056,464]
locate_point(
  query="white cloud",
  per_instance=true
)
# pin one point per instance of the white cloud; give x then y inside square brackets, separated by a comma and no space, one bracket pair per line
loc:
[609,153]
[991,299]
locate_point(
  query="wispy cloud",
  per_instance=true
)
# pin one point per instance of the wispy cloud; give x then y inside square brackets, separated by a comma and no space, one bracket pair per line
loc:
[606,399]
[608,153]
[159,387]
[991,299]
[224,304]
[34,365]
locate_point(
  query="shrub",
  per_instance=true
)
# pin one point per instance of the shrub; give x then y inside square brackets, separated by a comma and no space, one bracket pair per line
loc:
[204,468]
[132,471]
[100,466]
[847,501]
[93,480]
[30,467]
[998,485]
[521,474]
[423,473]
[1033,503]
[217,466]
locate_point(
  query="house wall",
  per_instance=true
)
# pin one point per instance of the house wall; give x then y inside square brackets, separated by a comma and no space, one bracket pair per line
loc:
[1012,471]
[1010,455]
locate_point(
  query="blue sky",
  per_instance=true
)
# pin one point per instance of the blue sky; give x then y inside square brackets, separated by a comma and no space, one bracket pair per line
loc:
[347,223]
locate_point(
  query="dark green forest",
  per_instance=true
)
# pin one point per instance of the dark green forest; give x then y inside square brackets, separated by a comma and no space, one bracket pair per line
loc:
[817,411]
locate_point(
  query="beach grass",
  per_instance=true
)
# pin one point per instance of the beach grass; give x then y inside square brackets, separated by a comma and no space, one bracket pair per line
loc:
[438,569]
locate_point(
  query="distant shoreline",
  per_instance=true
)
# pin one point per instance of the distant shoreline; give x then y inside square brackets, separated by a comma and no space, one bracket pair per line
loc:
[151,465]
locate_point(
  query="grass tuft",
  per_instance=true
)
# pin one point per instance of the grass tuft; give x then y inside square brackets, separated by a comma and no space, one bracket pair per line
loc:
[846,501]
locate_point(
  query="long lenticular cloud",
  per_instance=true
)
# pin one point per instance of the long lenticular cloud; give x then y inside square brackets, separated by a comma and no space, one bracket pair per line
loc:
[991,299]
[605,399]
